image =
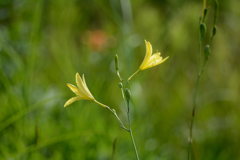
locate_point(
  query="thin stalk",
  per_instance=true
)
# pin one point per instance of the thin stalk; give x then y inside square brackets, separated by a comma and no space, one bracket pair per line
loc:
[131,77]
[130,130]
[126,102]
[120,78]
[195,96]
[194,107]
[103,105]
[204,6]
[124,98]
[114,112]
[204,65]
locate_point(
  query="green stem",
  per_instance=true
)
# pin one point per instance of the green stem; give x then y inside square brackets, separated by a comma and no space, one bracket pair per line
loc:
[195,96]
[114,112]
[194,107]
[192,119]
[103,105]
[120,78]
[124,98]
[126,102]
[131,77]
[130,130]
[203,66]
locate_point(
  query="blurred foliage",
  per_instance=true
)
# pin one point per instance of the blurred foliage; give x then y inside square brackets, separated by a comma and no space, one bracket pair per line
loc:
[44,43]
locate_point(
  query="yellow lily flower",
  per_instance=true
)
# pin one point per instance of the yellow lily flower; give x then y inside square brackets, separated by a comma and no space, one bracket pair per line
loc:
[82,92]
[149,59]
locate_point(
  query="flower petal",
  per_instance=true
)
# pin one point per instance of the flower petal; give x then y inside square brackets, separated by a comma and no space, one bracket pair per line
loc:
[74,89]
[82,87]
[157,62]
[80,83]
[147,55]
[71,100]
[154,58]
[148,49]
[86,88]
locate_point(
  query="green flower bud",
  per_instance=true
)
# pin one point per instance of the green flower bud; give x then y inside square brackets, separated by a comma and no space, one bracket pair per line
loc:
[205,13]
[113,110]
[214,31]
[116,62]
[207,51]
[127,93]
[202,29]
[120,85]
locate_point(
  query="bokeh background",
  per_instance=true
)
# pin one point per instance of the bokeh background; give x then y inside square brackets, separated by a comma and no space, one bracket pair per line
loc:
[44,43]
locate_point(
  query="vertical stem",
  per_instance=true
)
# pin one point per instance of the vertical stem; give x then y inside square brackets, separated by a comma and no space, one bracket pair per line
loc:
[126,102]
[124,99]
[195,96]
[130,130]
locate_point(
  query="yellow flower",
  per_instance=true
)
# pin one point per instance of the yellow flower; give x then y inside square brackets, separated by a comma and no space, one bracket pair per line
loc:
[149,59]
[82,92]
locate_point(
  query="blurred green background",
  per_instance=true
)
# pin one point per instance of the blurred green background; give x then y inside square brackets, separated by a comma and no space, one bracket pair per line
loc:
[44,43]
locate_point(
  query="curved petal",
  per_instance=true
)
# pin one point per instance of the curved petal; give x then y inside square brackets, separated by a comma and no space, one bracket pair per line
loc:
[154,58]
[86,88]
[147,55]
[148,49]
[80,83]
[157,62]
[74,89]
[71,100]
[83,87]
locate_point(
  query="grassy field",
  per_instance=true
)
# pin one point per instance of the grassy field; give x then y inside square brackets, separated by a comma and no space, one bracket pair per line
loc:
[44,43]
